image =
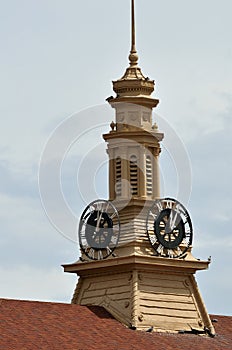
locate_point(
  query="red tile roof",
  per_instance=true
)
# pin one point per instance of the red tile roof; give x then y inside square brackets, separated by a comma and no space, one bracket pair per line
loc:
[38,325]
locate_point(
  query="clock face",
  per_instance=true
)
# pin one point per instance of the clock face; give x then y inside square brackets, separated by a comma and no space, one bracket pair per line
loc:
[169,228]
[99,229]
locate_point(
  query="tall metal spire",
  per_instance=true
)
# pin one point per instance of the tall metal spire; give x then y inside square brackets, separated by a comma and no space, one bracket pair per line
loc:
[133,82]
[133,57]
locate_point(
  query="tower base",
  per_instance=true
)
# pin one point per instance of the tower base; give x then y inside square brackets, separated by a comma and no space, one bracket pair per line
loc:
[143,292]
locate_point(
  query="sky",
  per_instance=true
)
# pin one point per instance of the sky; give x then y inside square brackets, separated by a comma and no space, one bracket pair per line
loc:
[58,59]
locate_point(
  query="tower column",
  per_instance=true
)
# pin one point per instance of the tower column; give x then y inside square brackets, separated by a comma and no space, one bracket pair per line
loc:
[134,298]
[125,173]
[111,174]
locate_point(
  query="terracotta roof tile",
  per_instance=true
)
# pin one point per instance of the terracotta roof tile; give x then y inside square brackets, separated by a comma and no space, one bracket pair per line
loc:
[38,325]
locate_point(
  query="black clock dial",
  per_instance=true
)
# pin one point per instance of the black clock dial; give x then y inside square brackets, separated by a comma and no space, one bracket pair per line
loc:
[99,230]
[169,228]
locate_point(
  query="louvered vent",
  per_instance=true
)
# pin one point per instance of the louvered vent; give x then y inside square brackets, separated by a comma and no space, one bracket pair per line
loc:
[148,175]
[118,187]
[134,175]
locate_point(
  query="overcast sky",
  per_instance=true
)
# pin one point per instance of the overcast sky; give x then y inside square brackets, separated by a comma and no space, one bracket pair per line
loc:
[59,58]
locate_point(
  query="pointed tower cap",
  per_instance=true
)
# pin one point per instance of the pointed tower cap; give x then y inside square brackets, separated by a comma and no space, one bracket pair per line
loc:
[133,83]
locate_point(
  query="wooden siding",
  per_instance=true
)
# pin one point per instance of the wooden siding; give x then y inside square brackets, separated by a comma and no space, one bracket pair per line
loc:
[167,298]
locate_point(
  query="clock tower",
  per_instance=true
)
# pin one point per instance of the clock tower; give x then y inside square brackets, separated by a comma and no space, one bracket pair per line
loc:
[136,257]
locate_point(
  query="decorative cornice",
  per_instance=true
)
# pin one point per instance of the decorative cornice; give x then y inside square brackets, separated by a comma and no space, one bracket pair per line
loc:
[127,263]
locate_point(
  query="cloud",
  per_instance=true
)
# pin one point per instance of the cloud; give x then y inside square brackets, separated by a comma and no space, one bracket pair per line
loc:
[31,250]
[215,283]
[34,283]
[50,71]
[17,182]
[210,208]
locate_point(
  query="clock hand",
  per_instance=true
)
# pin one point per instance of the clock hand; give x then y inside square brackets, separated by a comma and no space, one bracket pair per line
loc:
[172,220]
[98,222]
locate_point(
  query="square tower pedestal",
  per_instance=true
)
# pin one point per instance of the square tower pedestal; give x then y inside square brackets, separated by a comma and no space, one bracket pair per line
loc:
[143,292]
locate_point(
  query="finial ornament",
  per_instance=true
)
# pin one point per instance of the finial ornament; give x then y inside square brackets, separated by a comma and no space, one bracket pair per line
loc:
[133,57]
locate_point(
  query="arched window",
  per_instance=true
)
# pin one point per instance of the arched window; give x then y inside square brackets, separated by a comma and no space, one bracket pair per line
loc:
[148,176]
[118,176]
[134,175]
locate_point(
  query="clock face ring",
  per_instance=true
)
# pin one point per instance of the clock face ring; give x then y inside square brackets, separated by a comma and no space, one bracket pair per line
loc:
[99,229]
[169,228]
